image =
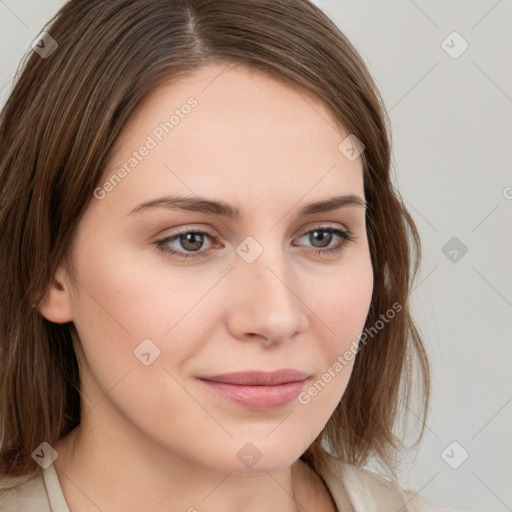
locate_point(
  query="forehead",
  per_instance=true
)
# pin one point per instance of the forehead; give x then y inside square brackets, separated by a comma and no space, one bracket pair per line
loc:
[246,135]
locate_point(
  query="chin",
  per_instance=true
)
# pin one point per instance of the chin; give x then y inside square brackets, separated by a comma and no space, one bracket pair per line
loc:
[263,456]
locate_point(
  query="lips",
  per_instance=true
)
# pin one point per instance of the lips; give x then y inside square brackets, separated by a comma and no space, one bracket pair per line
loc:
[258,378]
[257,390]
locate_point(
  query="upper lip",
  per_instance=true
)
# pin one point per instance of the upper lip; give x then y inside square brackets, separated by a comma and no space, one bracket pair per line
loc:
[258,378]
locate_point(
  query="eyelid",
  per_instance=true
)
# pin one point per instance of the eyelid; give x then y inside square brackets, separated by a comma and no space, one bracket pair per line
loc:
[188,227]
[322,225]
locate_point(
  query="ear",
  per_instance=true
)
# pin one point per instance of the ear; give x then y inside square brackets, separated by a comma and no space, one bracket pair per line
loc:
[55,305]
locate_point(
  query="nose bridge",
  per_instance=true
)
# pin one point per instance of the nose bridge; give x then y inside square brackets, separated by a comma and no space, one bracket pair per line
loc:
[266,299]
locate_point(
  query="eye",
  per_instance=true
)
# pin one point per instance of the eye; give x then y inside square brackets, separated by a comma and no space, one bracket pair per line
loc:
[323,235]
[192,240]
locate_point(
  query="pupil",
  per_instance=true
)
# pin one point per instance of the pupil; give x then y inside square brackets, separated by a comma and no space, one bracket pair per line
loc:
[194,238]
[323,239]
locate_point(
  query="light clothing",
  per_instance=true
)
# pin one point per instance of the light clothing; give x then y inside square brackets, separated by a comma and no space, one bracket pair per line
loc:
[353,488]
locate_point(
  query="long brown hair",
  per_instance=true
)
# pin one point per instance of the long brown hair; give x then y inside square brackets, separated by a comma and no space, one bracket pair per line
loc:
[57,130]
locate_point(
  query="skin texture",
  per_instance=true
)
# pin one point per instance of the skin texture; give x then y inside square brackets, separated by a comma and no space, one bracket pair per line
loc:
[153,437]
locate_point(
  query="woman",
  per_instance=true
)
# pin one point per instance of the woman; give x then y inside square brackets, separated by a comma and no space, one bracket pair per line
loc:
[205,266]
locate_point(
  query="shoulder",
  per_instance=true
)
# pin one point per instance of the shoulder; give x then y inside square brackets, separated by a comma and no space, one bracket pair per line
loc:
[19,494]
[367,490]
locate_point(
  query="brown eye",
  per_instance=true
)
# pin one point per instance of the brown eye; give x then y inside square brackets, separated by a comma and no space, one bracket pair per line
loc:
[322,236]
[190,240]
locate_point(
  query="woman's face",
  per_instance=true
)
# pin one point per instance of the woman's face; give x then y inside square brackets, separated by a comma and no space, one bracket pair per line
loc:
[257,292]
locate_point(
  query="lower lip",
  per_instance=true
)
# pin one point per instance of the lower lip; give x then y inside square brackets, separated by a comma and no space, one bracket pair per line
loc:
[258,397]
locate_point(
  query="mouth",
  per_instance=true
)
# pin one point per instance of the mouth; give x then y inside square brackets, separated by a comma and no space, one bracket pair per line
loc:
[257,390]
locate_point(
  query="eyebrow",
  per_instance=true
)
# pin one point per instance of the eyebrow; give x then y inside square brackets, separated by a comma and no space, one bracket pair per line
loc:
[220,208]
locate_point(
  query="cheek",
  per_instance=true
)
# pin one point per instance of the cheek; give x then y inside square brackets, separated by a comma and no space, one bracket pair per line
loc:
[133,295]
[341,309]
[124,311]
[343,301]
[127,316]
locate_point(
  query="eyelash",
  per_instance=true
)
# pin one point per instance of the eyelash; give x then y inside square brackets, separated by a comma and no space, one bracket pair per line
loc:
[345,235]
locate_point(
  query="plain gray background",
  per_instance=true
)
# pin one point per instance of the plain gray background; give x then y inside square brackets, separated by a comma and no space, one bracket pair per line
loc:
[450,113]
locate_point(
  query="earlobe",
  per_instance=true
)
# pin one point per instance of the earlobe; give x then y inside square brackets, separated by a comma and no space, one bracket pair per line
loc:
[55,305]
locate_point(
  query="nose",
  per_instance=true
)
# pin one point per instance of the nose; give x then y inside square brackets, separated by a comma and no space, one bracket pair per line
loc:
[265,300]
